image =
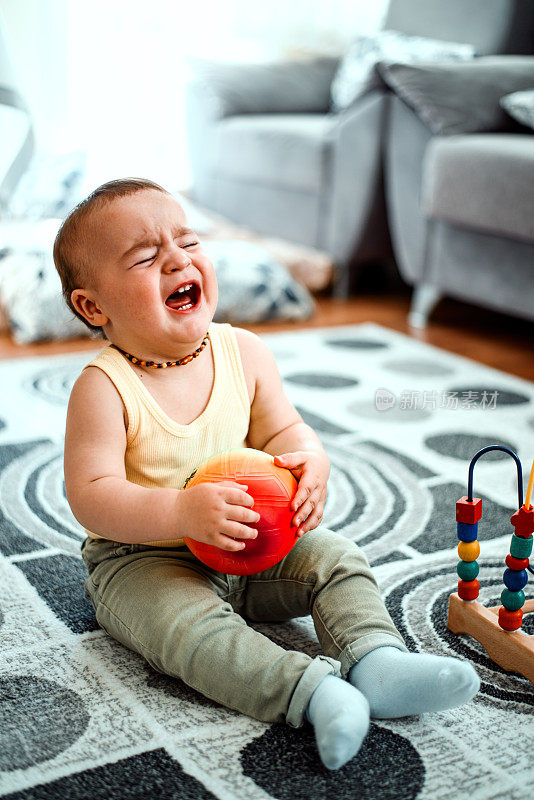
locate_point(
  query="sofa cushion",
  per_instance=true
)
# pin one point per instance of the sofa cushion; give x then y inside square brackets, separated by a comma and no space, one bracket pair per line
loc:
[288,86]
[461,97]
[481,181]
[274,149]
[356,74]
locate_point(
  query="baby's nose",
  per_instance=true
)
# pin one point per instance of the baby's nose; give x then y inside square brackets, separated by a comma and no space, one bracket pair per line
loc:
[177,260]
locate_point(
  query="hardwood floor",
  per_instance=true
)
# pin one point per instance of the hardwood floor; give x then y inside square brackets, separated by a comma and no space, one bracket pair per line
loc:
[498,340]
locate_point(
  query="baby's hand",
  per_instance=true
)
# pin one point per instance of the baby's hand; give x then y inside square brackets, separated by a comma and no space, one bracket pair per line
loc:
[311,470]
[217,513]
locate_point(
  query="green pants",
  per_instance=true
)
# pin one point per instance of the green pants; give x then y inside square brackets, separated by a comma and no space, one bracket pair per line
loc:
[189,621]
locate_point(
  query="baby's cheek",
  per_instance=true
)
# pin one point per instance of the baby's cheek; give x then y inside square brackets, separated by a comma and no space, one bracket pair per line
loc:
[142,302]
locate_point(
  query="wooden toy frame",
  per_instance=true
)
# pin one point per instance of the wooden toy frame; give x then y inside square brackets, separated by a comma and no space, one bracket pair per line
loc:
[513,650]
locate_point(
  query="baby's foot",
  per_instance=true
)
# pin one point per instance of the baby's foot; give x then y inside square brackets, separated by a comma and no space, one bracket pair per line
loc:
[339,714]
[398,684]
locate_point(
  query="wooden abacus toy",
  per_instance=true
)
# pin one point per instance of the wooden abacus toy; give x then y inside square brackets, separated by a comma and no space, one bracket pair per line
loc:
[498,628]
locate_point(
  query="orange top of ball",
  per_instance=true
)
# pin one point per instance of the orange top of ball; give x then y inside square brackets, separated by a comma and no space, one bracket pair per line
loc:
[239,465]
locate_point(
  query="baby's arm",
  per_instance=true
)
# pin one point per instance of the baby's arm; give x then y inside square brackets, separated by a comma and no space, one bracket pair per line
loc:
[105,502]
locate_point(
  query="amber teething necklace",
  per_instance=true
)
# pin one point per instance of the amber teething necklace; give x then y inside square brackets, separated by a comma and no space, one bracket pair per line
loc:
[164,364]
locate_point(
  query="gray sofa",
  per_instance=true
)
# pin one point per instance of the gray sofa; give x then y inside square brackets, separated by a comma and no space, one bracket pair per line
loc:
[267,151]
[461,197]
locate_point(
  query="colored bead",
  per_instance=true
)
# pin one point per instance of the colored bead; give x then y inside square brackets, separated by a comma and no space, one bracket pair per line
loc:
[467,570]
[515,563]
[519,547]
[468,590]
[468,512]
[514,580]
[512,600]
[466,531]
[469,551]
[523,521]
[510,620]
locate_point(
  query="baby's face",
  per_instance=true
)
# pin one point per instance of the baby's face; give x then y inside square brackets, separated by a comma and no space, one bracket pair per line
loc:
[155,285]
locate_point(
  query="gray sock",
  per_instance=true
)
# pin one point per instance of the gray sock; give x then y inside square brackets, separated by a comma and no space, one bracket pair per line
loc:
[339,714]
[398,684]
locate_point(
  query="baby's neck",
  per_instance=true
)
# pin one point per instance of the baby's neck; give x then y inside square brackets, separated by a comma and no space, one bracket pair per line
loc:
[163,365]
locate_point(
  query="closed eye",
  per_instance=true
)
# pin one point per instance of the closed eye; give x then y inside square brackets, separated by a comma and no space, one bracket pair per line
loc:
[145,260]
[151,258]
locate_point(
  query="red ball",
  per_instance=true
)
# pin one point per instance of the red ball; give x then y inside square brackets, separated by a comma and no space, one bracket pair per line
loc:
[273,489]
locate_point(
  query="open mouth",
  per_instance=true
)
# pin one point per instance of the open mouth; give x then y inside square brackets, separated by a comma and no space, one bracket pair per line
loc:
[185,297]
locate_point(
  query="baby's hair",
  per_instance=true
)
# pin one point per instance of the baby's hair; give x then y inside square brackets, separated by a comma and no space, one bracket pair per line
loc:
[70,246]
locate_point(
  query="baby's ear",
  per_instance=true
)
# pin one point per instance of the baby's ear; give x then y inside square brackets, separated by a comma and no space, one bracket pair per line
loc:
[84,303]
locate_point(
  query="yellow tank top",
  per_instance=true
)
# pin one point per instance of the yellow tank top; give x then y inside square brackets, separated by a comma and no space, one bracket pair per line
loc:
[163,453]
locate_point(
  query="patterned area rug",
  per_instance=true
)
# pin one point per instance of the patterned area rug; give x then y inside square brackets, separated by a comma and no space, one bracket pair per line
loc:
[81,716]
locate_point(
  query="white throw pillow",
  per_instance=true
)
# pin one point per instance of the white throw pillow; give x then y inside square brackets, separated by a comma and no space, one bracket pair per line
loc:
[520,106]
[254,286]
[30,294]
[356,74]
[30,288]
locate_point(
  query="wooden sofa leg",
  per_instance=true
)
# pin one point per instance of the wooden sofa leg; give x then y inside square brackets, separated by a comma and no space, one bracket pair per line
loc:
[424,299]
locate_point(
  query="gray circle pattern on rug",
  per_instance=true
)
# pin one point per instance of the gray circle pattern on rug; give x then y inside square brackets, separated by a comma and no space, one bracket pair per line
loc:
[40,719]
[320,424]
[464,446]
[152,774]
[357,344]
[321,381]
[504,397]
[418,367]
[368,410]
[284,763]
[280,354]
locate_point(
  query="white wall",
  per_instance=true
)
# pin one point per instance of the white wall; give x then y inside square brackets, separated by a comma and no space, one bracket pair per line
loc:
[36,32]
[109,75]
